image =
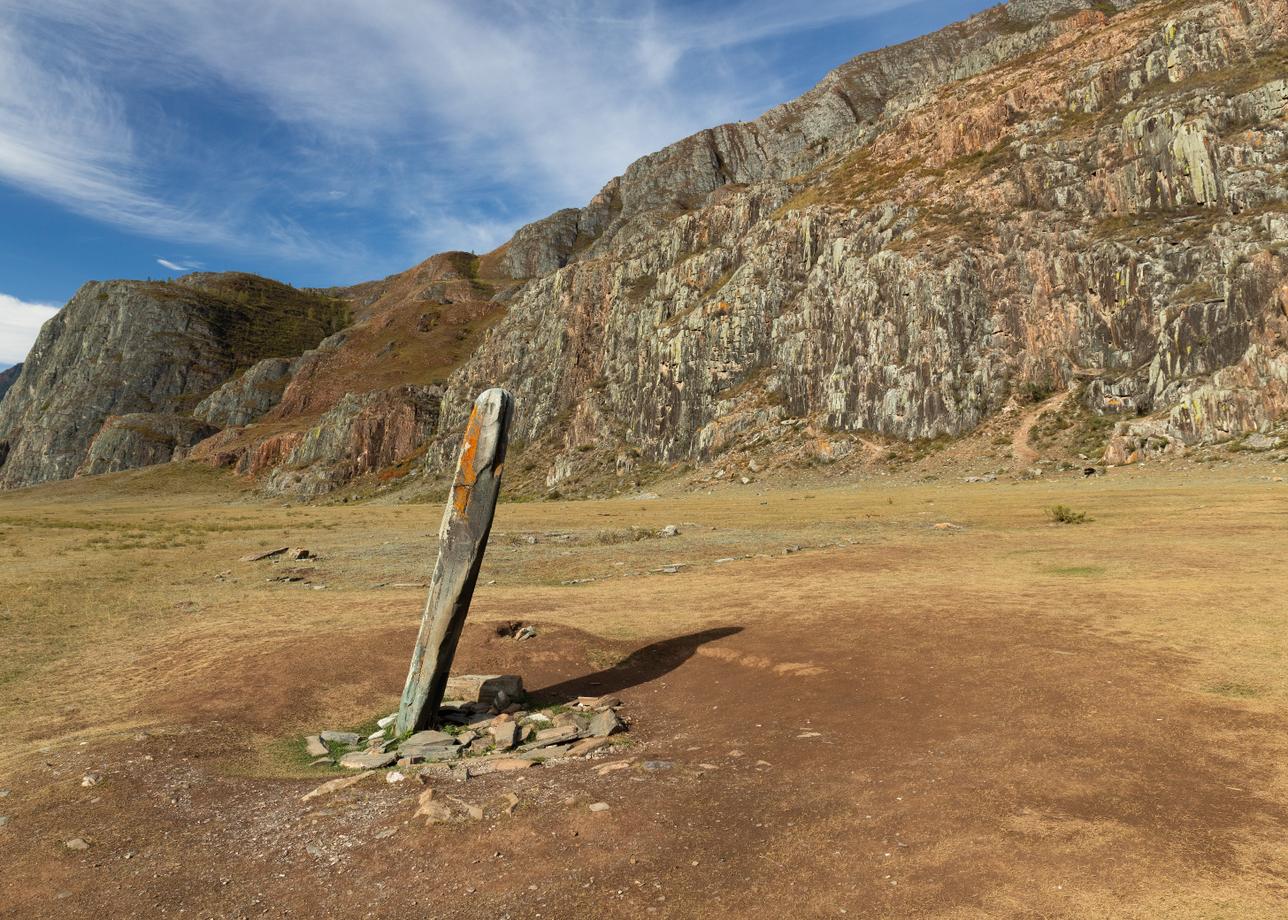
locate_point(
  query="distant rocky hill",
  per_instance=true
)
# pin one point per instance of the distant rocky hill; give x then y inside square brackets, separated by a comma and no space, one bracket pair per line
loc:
[7,377]
[113,378]
[1083,196]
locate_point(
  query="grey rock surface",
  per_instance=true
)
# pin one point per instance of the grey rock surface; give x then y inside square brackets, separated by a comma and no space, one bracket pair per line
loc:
[128,347]
[924,235]
[126,442]
[248,396]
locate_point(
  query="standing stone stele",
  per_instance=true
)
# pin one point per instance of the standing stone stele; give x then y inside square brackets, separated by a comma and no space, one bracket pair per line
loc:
[467,520]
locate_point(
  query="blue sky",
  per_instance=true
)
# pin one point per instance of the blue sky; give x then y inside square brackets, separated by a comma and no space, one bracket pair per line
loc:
[331,141]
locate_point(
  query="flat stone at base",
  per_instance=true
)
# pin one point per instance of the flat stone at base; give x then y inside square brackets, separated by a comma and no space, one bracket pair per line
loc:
[428,737]
[587,746]
[549,736]
[505,735]
[314,747]
[605,723]
[362,760]
[550,752]
[599,806]
[483,688]
[434,753]
[334,786]
[499,765]
[340,737]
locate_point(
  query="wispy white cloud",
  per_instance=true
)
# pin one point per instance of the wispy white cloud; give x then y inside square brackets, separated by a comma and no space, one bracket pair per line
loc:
[20,322]
[419,107]
[178,266]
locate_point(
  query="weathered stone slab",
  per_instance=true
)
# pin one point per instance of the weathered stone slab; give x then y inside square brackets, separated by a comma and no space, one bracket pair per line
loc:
[334,785]
[433,753]
[498,765]
[505,735]
[367,760]
[587,746]
[548,736]
[483,688]
[266,554]
[467,521]
[428,737]
[314,746]
[605,723]
[351,738]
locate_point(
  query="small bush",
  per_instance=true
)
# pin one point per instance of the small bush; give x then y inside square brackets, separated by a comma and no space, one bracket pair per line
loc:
[1063,514]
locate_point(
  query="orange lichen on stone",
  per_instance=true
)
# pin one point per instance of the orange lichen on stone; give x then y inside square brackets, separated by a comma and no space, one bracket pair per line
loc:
[465,474]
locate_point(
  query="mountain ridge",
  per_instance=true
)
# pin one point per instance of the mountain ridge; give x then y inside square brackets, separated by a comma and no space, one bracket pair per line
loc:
[936,227]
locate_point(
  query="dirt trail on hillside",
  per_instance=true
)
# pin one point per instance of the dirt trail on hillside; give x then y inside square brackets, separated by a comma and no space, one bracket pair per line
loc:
[1020,448]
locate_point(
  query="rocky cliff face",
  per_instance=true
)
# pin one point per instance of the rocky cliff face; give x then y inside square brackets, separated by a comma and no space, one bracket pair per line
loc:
[1053,195]
[362,434]
[7,378]
[120,348]
[126,442]
[1045,194]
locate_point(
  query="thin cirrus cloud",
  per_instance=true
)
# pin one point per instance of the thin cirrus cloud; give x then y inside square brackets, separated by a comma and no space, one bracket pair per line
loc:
[452,121]
[20,323]
[178,266]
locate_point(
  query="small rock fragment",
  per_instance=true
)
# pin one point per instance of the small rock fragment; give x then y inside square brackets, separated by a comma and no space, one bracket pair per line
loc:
[394,776]
[587,746]
[511,803]
[266,554]
[76,843]
[505,735]
[599,806]
[314,747]
[605,723]
[335,785]
[91,779]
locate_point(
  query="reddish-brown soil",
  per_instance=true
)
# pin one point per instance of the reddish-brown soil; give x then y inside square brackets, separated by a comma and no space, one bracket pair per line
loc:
[954,758]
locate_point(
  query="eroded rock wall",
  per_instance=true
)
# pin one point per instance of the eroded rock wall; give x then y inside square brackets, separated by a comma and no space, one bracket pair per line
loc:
[1096,196]
[125,347]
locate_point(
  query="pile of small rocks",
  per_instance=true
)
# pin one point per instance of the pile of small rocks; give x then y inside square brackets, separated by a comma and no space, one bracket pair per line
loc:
[485,729]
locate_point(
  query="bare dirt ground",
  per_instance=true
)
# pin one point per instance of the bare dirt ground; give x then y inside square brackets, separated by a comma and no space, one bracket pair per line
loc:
[1005,718]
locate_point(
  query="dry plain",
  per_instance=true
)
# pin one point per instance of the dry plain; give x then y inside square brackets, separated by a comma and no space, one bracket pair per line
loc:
[1003,718]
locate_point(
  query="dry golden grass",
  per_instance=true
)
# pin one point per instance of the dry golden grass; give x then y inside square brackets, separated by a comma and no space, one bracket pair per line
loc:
[107,581]
[124,605]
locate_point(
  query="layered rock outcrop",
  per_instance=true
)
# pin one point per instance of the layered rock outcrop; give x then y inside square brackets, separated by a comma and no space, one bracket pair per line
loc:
[126,347]
[362,434]
[126,442]
[1054,194]
[7,378]
[1023,200]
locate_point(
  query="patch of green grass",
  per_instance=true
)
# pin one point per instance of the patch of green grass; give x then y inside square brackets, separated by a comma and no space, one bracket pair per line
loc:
[1063,514]
[1077,570]
[602,659]
[1233,689]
